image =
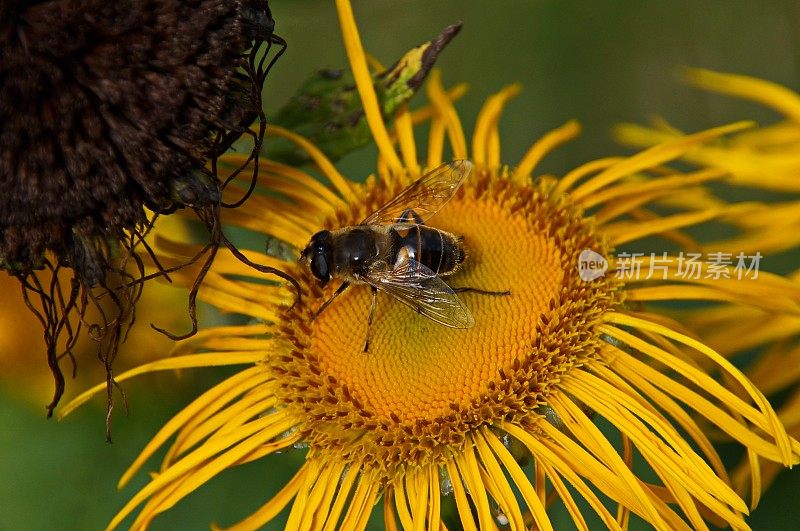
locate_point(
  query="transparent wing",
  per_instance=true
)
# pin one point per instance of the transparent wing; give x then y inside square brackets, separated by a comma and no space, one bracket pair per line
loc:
[417,286]
[426,195]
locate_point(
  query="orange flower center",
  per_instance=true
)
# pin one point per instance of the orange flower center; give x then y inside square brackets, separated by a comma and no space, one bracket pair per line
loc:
[422,385]
[415,367]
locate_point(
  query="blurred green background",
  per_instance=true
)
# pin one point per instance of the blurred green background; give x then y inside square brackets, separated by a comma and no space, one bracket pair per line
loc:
[601,62]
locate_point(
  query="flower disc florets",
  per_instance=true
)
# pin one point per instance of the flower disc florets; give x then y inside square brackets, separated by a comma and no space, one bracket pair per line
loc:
[423,387]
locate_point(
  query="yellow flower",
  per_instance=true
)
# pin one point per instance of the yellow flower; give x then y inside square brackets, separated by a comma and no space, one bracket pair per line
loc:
[766,157]
[499,417]
[776,369]
[23,355]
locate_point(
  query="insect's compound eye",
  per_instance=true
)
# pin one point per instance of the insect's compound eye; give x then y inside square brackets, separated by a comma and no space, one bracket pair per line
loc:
[320,268]
[319,256]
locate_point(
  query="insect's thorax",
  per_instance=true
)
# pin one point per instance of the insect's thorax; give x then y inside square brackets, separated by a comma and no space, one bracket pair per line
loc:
[357,248]
[440,251]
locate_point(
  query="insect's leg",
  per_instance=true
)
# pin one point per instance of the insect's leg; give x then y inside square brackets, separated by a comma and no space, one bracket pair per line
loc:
[409,216]
[338,292]
[481,291]
[371,315]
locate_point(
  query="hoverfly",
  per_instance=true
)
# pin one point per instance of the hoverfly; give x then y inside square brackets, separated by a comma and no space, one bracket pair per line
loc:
[393,251]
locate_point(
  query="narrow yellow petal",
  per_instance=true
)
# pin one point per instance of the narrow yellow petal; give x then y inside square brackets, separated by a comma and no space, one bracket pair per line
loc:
[770,94]
[624,364]
[566,497]
[434,499]
[462,503]
[617,207]
[526,489]
[678,414]
[226,302]
[653,157]
[546,144]
[300,196]
[501,490]
[493,148]
[755,478]
[389,518]
[201,474]
[436,142]
[258,431]
[689,506]
[208,336]
[541,452]
[583,429]
[583,171]
[374,63]
[358,65]
[274,506]
[342,496]
[224,262]
[220,418]
[326,166]
[325,504]
[419,500]
[767,285]
[540,483]
[301,507]
[236,415]
[361,504]
[683,240]
[211,400]
[428,112]
[401,503]
[303,179]
[444,108]
[623,513]
[287,440]
[150,510]
[405,137]
[678,181]
[675,459]
[213,359]
[772,426]
[286,226]
[769,170]
[706,293]
[487,120]
[468,467]
[628,231]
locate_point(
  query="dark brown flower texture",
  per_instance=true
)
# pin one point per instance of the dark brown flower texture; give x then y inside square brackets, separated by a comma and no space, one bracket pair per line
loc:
[105,107]
[108,107]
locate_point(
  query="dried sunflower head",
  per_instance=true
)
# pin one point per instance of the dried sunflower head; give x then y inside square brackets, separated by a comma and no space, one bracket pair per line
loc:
[109,110]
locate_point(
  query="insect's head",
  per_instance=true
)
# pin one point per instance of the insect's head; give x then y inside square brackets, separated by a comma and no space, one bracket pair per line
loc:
[318,256]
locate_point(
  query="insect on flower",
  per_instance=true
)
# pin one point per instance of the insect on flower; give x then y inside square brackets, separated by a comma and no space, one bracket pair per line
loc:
[393,251]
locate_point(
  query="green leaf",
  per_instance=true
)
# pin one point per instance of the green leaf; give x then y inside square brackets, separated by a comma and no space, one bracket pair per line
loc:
[327,109]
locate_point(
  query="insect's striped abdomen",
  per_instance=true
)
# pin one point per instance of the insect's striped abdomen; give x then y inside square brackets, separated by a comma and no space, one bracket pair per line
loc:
[437,250]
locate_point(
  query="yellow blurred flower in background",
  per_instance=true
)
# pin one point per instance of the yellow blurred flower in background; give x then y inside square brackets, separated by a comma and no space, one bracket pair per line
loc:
[23,355]
[767,157]
[764,158]
[499,417]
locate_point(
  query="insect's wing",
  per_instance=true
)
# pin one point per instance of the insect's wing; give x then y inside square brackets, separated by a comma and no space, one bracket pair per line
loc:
[425,196]
[417,286]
